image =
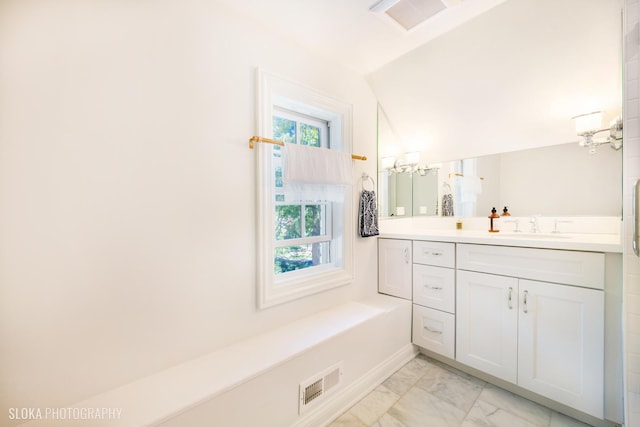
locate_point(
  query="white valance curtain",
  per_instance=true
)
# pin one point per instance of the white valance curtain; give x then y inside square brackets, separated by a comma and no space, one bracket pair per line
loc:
[314,174]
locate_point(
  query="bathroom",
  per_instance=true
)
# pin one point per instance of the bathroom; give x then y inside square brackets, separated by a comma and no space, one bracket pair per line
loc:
[128,194]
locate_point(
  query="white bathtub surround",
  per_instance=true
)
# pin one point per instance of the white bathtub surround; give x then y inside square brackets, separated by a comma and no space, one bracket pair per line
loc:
[369,338]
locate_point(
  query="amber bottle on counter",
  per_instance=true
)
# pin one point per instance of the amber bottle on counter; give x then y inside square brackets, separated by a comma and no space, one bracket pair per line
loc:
[493,221]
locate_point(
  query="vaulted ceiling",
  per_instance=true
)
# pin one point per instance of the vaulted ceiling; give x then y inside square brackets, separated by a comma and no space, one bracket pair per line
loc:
[347,32]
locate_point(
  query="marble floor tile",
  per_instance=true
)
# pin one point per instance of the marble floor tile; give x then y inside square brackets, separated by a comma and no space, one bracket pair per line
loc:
[347,420]
[374,405]
[560,420]
[388,421]
[484,414]
[419,408]
[536,414]
[406,377]
[419,365]
[429,393]
[452,388]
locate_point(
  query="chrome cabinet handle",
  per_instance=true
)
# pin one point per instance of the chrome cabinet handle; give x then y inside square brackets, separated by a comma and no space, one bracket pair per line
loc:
[635,212]
[435,288]
[406,255]
[510,298]
[427,252]
[433,331]
[524,306]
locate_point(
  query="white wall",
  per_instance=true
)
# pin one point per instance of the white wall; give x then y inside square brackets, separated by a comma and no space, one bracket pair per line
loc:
[127,190]
[509,79]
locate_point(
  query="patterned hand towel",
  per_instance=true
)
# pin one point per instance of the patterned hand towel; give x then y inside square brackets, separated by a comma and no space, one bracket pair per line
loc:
[447,205]
[368,216]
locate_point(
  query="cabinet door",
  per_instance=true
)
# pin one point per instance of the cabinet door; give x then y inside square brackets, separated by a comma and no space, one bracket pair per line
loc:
[561,344]
[394,267]
[487,323]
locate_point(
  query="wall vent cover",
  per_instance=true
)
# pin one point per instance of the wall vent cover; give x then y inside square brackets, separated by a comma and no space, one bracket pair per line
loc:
[316,388]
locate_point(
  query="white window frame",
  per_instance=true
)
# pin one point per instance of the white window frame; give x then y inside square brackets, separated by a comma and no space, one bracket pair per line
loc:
[278,93]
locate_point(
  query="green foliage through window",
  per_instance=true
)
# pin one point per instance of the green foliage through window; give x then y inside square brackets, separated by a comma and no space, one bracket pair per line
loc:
[298,220]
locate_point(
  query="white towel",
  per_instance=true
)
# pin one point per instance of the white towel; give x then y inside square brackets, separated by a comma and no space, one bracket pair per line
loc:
[471,185]
[313,165]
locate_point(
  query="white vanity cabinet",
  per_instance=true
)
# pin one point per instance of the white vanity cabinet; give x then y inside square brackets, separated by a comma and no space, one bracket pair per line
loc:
[434,296]
[534,317]
[395,267]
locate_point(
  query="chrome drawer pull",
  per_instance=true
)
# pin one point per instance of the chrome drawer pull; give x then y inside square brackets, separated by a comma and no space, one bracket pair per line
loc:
[436,253]
[435,288]
[433,331]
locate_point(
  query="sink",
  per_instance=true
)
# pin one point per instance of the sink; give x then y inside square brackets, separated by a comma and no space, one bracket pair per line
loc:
[532,235]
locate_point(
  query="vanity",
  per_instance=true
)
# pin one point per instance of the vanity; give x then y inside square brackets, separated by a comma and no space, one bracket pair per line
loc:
[537,314]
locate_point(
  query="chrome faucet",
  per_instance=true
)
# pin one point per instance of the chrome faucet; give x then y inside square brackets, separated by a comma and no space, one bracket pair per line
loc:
[556,222]
[535,228]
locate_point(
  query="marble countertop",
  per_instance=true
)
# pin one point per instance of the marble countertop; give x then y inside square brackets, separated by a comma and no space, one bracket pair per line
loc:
[567,241]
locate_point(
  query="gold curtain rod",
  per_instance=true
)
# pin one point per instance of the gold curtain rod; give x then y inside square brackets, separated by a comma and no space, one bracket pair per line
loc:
[255,139]
[459,174]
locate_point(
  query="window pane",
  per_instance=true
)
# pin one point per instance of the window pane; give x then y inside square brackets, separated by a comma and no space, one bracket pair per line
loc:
[309,135]
[292,258]
[284,130]
[314,220]
[278,172]
[288,222]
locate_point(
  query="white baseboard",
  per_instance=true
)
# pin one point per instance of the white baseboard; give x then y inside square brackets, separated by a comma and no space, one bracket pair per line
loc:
[343,399]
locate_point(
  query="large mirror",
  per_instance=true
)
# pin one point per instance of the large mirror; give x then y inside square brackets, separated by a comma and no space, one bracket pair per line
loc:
[560,180]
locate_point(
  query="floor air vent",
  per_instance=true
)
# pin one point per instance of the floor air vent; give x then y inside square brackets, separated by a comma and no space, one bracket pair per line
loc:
[316,387]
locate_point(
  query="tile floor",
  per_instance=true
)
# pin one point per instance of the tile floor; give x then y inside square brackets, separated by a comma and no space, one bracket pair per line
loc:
[427,393]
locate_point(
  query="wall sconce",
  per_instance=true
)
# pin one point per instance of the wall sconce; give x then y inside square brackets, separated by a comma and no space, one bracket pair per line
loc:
[588,125]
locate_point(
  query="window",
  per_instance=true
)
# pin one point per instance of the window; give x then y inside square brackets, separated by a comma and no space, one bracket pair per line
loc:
[464,201]
[302,229]
[304,241]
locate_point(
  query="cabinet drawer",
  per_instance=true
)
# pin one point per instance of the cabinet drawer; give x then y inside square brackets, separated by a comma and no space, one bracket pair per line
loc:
[434,330]
[570,267]
[434,253]
[434,287]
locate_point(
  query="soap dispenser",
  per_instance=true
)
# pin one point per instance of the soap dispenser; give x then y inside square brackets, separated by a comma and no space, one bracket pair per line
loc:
[493,221]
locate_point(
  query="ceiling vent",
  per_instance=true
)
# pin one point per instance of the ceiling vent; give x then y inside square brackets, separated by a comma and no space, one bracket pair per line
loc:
[410,13]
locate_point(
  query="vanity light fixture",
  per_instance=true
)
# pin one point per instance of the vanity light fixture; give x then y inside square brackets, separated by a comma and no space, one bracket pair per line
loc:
[408,162]
[387,163]
[588,125]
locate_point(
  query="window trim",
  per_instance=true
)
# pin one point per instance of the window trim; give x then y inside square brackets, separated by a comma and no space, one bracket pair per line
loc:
[274,91]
